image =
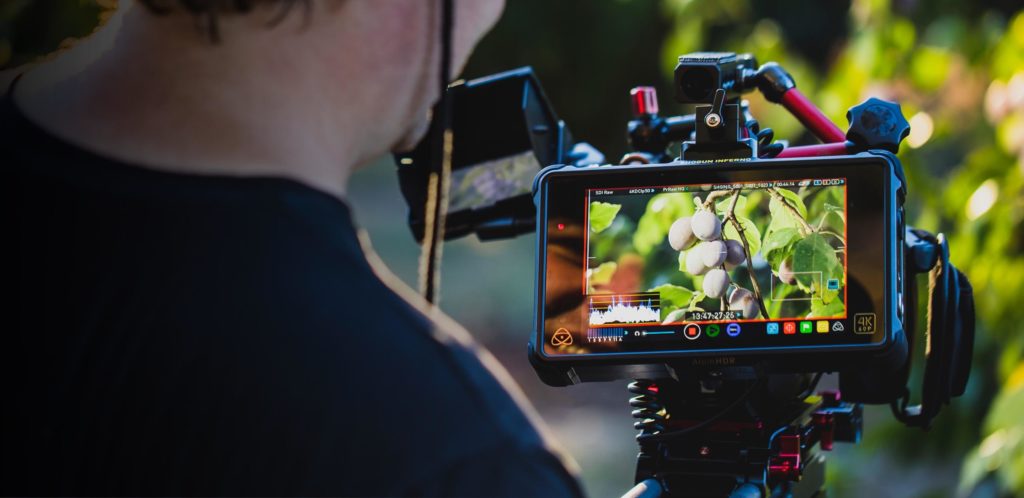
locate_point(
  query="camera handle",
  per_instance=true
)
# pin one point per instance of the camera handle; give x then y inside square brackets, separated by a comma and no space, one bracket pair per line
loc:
[873,124]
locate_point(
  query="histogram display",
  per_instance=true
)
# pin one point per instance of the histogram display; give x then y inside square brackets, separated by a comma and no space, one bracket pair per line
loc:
[625,309]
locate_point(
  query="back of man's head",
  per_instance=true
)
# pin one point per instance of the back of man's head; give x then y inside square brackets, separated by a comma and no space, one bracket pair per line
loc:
[309,89]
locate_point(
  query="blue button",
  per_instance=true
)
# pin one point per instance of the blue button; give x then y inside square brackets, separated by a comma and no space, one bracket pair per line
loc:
[733,329]
[773,328]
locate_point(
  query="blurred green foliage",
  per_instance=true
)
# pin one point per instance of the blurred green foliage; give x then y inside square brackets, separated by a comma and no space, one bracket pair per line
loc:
[30,30]
[956,67]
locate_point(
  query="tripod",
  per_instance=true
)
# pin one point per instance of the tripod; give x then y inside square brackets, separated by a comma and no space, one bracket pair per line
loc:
[739,434]
[712,427]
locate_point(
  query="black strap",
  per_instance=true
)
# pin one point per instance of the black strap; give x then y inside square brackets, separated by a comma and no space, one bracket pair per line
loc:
[949,334]
[437,186]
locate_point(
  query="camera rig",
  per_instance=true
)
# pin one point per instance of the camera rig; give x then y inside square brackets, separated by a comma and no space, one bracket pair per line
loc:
[715,428]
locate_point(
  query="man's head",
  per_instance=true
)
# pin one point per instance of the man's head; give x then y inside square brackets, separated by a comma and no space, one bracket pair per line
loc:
[399,41]
[308,89]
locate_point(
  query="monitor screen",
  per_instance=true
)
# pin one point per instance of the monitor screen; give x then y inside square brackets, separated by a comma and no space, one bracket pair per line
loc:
[730,257]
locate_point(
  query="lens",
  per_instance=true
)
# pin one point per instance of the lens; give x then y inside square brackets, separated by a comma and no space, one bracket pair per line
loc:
[698,84]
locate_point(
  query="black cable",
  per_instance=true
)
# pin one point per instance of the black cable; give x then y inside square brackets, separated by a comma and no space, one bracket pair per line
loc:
[647,407]
[765,140]
[437,185]
[447,25]
[766,147]
[753,126]
[900,411]
[812,386]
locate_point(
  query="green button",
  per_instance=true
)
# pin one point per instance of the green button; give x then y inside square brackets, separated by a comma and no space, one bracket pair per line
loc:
[713,330]
[805,328]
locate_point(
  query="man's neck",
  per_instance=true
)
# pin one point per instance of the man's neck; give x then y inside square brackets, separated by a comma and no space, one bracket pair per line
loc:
[253,105]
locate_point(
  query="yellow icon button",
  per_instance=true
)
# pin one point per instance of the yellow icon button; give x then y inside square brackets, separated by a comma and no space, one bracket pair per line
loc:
[822,326]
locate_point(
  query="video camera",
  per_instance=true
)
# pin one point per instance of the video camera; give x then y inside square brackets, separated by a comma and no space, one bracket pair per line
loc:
[738,263]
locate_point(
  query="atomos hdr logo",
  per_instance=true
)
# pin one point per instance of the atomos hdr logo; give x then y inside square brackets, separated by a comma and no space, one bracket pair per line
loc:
[562,337]
[714,362]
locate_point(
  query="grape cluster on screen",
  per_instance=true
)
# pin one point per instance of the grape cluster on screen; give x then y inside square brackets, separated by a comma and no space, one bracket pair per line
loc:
[708,255]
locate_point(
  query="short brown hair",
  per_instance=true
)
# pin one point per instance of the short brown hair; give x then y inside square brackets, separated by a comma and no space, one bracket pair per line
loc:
[206,11]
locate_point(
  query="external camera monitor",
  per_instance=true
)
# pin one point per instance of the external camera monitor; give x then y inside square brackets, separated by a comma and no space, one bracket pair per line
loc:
[662,263]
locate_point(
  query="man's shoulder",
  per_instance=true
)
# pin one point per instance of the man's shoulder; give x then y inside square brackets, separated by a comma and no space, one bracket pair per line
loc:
[394,326]
[453,407]
[347,301]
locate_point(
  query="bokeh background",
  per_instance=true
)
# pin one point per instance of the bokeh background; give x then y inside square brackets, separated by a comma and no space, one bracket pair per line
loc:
[956,67]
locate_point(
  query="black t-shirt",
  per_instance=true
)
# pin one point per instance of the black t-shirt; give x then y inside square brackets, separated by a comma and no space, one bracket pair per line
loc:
[174,334]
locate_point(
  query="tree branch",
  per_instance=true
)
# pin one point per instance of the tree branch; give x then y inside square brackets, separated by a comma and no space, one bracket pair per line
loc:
[836,235]
[731,217]
[715,194]
[694,300]
[807,229]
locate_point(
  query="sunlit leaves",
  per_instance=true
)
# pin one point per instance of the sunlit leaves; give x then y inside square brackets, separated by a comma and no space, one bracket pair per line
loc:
[820,309]
[827,211]
[929,67]
[814,263]
[1002,447]
[779,244]
[602,214]
[781,216]
[722,206]
[1008,56]
[602,274]
[674,316]
[662,210]
[794,200]
[673,297]
[750,233]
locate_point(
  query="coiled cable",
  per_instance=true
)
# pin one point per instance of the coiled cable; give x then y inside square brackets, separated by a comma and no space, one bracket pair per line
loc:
[766,147]
[647,408]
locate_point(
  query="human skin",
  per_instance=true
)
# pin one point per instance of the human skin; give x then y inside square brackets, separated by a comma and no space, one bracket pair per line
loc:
[312,98]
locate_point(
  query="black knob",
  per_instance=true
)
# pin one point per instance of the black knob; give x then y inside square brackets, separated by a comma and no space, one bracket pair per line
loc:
[877,124]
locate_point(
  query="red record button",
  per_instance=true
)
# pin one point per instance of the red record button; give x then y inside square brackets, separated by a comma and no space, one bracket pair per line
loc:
[691,331]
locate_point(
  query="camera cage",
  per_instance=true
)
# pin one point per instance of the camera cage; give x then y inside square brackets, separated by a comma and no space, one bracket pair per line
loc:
[724,130]
[774,437]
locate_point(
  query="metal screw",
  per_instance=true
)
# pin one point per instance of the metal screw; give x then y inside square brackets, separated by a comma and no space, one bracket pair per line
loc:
[712,120]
